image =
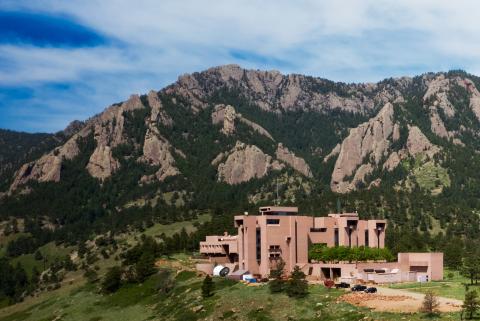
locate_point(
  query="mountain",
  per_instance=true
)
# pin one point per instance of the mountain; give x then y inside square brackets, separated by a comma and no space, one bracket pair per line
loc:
[226,139]
[18,148]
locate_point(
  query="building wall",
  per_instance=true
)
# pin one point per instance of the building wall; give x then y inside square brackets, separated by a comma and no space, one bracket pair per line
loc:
[283,234]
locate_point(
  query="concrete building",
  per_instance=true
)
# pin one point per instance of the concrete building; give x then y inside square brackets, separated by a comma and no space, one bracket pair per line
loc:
[279,232]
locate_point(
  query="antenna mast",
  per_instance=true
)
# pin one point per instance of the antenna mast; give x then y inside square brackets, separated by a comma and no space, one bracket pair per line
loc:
[278,200]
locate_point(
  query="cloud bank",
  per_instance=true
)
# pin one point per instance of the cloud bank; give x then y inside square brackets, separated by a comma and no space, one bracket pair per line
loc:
[65,60]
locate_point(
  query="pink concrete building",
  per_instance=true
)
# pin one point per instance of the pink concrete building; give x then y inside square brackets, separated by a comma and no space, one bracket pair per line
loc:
[279,232]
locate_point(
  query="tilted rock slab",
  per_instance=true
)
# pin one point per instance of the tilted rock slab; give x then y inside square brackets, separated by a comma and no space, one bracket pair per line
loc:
[297,163]
[245,162]
[367,143]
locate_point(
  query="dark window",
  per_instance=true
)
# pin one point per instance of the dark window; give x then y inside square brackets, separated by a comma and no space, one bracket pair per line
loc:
[272,221]
[259,244]
[366,238]
[335,237]
[318,229]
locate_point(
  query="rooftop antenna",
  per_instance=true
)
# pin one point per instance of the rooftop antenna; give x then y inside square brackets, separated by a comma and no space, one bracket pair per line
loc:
[278,199]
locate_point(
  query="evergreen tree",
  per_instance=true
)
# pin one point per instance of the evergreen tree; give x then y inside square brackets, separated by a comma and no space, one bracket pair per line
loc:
[145,266]
[430,303]
[277,284]
[38,255]
[207,287]
[471,303]
[297,286]
[113,280]
[471,265]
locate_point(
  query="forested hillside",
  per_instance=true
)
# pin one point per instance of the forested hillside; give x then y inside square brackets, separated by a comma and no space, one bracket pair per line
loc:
[222,141]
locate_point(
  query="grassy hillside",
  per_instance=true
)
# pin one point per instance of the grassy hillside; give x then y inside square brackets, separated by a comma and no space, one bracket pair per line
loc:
[231,301]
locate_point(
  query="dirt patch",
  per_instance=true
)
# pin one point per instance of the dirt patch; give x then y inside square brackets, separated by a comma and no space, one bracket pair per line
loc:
[396,301]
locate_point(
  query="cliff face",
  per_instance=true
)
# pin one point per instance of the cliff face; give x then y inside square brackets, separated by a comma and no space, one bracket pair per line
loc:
[243,163]
[235,125]
[367,143]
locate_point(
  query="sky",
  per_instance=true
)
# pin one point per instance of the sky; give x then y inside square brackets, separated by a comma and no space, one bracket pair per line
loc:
[62,60]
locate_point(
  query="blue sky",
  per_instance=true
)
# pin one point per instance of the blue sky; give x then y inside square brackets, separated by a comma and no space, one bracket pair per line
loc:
[64,60]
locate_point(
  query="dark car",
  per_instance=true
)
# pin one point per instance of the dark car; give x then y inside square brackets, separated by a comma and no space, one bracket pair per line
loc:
[342,285]
[371,290]
[359,287]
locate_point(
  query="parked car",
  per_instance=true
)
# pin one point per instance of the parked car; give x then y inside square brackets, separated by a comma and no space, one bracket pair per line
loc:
[359,288]
[371,290]
[342,285]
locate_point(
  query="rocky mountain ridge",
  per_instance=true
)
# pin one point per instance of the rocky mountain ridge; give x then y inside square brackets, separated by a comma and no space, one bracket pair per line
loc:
[373,145]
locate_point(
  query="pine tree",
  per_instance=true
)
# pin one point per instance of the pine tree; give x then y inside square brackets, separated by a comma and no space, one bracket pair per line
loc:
[38,255]
[430,303]
[207,287]
[277,284]
[145,266]
[471,303]
[297,286]
[113,279]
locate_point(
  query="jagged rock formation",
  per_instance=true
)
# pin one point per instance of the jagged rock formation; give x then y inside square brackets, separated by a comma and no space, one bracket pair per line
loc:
[226,115]
[162,141]
[108,133]
[245,162]
[273,91]
[156,151]
[73,128]
[47,168]
[295,162]
[368,142]
[158,113]
[437,91]
[102,164]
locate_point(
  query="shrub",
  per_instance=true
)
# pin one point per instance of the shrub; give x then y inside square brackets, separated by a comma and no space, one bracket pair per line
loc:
[207,287]
[277,284]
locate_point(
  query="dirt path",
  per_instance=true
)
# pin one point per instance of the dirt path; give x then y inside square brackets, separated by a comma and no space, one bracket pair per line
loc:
[397,300]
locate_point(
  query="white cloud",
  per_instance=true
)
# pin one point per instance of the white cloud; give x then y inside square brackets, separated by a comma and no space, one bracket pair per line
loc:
[155,41]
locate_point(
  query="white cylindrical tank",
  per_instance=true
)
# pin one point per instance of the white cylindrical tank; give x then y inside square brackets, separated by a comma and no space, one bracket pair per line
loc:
[220,270]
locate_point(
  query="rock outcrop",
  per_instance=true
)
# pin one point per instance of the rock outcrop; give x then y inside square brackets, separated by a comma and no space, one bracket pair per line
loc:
[108,133]
[102,164]
[437,94]
[156,151]
[367,143]
[418,143]
[297,163]
[243,163]
[226,115]
[334,152]
[158,114]
[48,167]
[272,91]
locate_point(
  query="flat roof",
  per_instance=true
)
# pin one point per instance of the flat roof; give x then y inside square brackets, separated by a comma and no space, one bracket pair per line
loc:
[290,209]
